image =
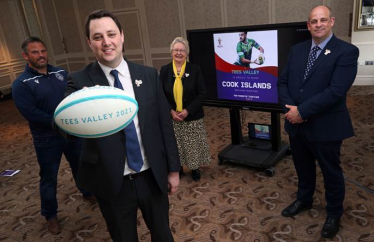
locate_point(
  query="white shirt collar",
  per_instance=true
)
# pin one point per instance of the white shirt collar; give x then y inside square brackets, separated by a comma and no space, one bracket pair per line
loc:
[122,69]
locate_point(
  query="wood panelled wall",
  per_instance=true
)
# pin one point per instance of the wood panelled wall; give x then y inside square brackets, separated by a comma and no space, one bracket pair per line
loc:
[149,25]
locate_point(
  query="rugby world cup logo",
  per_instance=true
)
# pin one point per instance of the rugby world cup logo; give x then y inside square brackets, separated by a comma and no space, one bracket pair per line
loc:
[219,43]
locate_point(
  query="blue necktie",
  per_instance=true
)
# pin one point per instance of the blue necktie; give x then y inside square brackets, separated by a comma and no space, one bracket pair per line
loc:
[134,156]
[312,58]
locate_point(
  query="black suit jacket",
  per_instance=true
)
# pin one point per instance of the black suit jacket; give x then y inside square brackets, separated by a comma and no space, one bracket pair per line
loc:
[193,89]
[321,98]
[103,159]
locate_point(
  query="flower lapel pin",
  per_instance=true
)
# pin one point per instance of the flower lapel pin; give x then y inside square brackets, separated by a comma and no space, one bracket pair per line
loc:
[187,74]
[327,51]
[138,82]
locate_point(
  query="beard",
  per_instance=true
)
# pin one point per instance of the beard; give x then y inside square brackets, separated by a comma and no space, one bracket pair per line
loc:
[38,65]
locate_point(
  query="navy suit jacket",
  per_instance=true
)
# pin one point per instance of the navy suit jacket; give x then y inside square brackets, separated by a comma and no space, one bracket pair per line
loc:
[321,98]
[103,159]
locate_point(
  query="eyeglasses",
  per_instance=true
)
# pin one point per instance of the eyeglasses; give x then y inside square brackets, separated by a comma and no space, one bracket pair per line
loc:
[179,51]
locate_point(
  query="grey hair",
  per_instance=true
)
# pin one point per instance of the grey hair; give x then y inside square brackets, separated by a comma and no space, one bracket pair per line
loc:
[180,40]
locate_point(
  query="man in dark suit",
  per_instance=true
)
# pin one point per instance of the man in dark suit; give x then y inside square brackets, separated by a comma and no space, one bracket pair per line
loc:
[106,167]
[313,89]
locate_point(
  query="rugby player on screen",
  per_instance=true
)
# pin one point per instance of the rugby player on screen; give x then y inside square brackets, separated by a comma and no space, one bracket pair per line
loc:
[244,50]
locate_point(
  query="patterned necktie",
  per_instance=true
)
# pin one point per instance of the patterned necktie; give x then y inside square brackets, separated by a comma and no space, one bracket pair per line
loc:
[134,156]
[311,60]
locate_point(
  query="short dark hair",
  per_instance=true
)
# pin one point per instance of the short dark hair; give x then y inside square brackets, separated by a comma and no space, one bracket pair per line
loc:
[101,13]
[31,39]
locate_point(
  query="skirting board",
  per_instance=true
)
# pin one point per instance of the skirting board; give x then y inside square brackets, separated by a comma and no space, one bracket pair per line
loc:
[364,80]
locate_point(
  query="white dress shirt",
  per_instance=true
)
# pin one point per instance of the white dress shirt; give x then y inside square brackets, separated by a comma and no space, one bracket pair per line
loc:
[125,79]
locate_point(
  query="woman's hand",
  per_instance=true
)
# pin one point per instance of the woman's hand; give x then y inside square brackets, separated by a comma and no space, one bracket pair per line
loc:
[175,116]
[182,115]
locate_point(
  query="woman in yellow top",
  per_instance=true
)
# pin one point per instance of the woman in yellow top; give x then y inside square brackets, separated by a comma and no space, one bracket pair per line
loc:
[184,88]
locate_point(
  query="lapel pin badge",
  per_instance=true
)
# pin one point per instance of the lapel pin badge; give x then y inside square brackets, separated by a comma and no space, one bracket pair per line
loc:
[187,74]
[138,82]
[327,51]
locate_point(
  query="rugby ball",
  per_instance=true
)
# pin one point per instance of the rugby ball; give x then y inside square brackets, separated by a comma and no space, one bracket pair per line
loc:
[261,59]
[95,112]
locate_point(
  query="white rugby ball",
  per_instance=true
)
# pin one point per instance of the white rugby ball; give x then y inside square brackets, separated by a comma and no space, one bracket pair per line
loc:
[95,112]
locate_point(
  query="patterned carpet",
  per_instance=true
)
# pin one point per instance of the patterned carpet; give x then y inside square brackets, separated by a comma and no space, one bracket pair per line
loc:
[230,203]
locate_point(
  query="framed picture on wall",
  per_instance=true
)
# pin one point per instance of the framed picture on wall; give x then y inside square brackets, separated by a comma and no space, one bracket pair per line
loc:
[364,15]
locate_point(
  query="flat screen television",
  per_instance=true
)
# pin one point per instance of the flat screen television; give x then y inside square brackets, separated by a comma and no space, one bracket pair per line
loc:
[223,57]
[369,3]
[259,131]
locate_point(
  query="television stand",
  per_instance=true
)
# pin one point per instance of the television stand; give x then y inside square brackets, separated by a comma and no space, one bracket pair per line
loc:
[256,153]
[256,143]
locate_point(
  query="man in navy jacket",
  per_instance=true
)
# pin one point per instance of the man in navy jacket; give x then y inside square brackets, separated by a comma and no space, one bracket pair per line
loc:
[313,89]
[36,93]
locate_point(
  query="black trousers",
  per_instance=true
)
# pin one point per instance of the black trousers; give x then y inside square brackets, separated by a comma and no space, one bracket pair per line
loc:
[305,154]
[140,192]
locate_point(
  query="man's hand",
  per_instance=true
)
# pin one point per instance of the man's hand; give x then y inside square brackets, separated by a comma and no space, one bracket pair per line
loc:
[63,134]
[293,115]
[173,182]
